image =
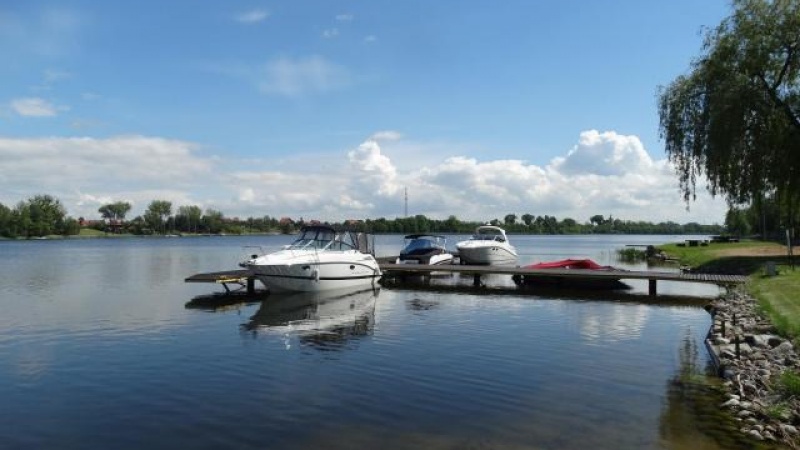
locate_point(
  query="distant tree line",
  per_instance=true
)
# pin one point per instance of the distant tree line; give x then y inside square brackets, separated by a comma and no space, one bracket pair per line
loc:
[44,215]
[41,215]
[530,224]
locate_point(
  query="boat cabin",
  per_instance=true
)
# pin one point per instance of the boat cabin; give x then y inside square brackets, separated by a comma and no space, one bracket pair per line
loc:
[323,237]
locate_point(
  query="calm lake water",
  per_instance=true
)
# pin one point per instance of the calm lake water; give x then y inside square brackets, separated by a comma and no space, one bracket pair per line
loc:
[102,346]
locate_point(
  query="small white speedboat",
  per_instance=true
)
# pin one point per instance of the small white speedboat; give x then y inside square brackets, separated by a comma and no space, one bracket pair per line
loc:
[427,249]
[321,259]
[488,246]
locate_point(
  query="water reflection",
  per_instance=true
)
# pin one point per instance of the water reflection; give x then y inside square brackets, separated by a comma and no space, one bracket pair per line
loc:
[613,322]
[419,304]
[326,321]
[225,301]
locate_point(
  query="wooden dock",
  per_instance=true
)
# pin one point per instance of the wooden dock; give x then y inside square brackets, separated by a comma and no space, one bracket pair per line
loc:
[653,277]
[244,279]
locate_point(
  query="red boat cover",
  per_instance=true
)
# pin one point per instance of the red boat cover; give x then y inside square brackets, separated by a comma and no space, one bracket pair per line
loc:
[569,264]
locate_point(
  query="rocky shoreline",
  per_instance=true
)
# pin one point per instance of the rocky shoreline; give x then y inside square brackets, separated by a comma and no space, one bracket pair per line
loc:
[751,357]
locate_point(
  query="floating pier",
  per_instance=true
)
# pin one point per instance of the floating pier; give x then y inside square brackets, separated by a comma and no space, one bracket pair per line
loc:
[245,279]
[576,275]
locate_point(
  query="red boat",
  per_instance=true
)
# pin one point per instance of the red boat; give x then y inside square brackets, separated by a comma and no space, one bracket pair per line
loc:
[570,282]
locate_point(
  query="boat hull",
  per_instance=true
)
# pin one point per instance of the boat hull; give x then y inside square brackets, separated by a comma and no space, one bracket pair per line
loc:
[434,260]
[486,255]
[318,273]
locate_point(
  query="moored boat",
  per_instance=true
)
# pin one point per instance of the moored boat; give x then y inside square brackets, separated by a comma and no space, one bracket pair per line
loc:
[427,249]
[321,259]
[587,266]
[488,246]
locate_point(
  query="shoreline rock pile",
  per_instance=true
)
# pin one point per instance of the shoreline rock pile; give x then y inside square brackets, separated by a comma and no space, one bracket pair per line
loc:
[750,357]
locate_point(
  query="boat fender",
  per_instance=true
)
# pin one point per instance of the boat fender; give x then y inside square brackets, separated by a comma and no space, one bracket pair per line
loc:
[315,274]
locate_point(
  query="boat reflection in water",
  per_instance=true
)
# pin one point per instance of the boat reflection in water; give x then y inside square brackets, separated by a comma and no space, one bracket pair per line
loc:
[326,320]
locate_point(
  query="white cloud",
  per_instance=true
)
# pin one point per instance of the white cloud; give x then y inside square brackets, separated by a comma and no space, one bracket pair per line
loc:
[605,173]
[344,17]
[34,107]
[83,168]
[605,153]
[330,33]
[615,176]
[376,173]
[370,39]
[252,16]
[386,135]
[292,77]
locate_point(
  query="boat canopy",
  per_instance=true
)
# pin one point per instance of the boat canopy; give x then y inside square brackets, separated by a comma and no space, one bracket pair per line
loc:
[420,243]
[324,237]
[424,235]
[489,233]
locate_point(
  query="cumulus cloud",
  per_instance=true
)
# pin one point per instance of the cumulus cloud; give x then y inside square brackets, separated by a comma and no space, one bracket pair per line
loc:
[292,77]
[604,173]
[377,173]
[330,33]
[34,107]
[605,153]
[344,17]
[252,16]
[83,168]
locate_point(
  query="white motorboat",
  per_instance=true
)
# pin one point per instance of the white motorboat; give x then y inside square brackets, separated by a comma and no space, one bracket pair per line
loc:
[321,259]
[428,249]
[488,246]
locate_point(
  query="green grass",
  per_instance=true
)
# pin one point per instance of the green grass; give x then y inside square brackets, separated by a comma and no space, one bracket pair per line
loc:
[90,232]
[713,258]
[789,383]
[777,296]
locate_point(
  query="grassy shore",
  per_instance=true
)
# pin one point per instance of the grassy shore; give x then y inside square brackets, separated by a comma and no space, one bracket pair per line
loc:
[778,296]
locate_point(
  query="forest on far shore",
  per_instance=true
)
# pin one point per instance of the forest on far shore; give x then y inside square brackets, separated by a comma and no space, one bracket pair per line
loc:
[44,215]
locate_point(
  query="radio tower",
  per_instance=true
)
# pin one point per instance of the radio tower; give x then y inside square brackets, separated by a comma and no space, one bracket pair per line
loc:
[406,201]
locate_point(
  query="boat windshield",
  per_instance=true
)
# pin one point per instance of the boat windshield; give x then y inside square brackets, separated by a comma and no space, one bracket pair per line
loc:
[488,235]
[321,239]
[421,244]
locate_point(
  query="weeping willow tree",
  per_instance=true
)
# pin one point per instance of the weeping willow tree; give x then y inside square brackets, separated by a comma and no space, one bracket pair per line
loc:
[735,117]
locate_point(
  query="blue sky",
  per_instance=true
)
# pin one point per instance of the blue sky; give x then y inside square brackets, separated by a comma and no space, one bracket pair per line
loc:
[330,109]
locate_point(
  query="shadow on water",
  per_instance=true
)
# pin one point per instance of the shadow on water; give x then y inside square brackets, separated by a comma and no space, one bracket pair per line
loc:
[545,292]
[222,301]
[326,320]
[692,417]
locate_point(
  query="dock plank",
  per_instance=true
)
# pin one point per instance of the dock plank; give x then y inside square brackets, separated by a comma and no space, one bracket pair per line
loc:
[225,276]
[565,273]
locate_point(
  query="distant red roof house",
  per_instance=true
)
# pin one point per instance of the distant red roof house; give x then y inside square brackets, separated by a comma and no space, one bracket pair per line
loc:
[88,222]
